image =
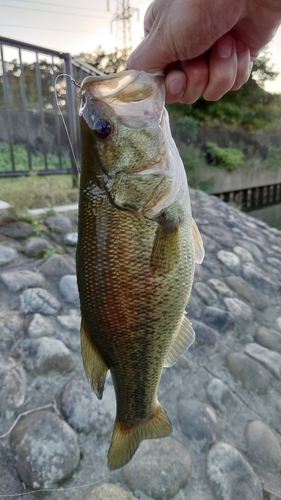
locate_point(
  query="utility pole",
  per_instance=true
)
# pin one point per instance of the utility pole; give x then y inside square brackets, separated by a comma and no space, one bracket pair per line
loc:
[123,20]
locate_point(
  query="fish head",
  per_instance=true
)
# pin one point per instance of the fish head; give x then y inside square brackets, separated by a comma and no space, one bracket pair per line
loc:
[128,148]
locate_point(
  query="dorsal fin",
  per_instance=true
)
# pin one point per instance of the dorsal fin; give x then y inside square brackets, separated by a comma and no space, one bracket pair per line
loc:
[198,244]
[185,337]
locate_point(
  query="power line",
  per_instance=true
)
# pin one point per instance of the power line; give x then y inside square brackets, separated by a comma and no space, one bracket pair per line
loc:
[61,5]
[52,11]
[47,29]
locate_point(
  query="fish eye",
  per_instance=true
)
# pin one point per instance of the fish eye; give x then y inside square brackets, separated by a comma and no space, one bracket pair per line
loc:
[103,128]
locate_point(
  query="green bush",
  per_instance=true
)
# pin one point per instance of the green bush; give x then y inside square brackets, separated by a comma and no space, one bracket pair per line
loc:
[195,167]
[21,159]
[230,158]
[273,159]
[186,128]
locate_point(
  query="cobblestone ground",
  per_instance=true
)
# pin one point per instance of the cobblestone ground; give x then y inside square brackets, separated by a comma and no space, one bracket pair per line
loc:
[223,396]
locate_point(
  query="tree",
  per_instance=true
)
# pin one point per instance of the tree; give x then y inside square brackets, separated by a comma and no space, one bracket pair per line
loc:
[108,63]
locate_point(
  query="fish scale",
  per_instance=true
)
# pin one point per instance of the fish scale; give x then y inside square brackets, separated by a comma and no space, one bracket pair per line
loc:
[134,267]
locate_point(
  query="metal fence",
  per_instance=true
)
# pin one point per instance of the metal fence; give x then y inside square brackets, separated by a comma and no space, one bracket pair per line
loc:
[32,134]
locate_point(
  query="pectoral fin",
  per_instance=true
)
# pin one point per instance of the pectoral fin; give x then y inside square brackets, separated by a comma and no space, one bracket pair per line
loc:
[94,365]
[185,337]
[198,244]
[166,248]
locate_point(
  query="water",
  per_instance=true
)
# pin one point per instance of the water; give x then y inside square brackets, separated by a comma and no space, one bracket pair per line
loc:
[270,215]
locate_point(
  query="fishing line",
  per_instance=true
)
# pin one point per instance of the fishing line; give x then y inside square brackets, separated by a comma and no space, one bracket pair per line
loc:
[63,120]
[62,490]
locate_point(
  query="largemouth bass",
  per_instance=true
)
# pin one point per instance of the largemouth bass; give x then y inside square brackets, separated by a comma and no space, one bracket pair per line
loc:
[137,246]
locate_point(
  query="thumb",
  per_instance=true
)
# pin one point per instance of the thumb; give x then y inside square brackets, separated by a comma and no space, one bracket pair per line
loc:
[150,55]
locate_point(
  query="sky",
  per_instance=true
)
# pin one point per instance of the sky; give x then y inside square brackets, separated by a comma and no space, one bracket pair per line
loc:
[71,26]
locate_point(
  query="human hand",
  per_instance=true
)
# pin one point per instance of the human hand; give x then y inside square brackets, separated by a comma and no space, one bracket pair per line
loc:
[213,43]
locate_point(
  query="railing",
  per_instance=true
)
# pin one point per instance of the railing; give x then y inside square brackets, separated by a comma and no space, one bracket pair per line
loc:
[256,197]
[32,135]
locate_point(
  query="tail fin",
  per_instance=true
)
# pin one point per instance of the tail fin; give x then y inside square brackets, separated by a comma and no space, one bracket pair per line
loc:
[125,441]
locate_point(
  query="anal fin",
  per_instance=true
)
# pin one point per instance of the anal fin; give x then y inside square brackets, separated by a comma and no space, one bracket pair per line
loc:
[126,440]
[94,365]
[183,340]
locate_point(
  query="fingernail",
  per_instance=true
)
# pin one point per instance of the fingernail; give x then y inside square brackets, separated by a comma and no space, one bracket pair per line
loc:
[176,85]
[224,47]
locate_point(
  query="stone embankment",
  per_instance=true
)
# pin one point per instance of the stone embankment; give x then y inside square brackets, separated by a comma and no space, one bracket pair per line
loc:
[223,396]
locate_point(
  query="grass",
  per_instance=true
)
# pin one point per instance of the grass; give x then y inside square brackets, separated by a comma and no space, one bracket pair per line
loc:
[35,191]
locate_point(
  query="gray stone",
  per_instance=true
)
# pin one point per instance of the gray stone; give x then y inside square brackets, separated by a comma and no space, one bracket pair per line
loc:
[57,266]
[219,320]
[71,239]
[221,235]
[38,300]
[21,279]
[257,276]
[160,468]
[7,255]
[220,395]
[242,287]
[239,309]
[252,374]
[274,262]
[244,254]
[205,293]
[198,421]
[220,287]
[59,223]
[40,326]
[271,339]
[278,323]
[11,328]
[10,484]
[13,385]
[253,249]
[229,259]
[18,229]
[263,447]
[107,491]
[70,322]
[46,449]
[45,355]
[231,476]
[269,359]
[36,247]
[68,289]
[82,410]
[204,335]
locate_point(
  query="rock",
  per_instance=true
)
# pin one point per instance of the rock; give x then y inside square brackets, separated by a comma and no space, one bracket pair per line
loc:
[253,249]
[263,447]
[219,320]
[257,276]
[229,259]
[242,287]
[219,234]
[57,266]
[82,410]
[278,323]
[46,449]
[36,247]
[269,359]
[269,338]
[18,229]
[71,239]
[220,287]
[160,468]
[59,224]
[19,280]
[198,421]
[68,289]
[252,374]
[7,255]
[10,484]
[107,491]
[40,327]
[45,355]
[244,254]
[70,322]
[239,309]
[205,293]
[11,328]
[38,300]
[13,385]
[204,335]
[220,395]
[231,476]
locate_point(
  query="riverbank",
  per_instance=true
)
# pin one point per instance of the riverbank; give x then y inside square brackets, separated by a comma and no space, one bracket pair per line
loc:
[223,396]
